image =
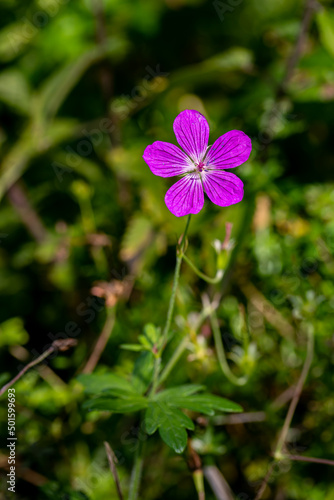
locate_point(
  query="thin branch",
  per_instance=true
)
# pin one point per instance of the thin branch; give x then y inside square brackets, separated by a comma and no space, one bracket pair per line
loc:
[265,481]
[218,483]
[61,345]
[310,8]
[101,342]
[269,312]
[283,398]
[240,418]
[296,396]
[314,460]
[112,461]
[278,455]
[20,202]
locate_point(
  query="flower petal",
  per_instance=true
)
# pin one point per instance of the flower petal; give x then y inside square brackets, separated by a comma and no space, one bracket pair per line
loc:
[185,196]
[223,188]
[230,150]
[192,133]
[167,160]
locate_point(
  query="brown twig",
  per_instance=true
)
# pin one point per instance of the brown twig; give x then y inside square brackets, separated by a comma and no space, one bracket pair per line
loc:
[278,455]
[112,461]
[101,342]
[240,418]
[61,345]
[218,483]
[46,373]
[310,8]
[20,202]
[314,460]
[269,312]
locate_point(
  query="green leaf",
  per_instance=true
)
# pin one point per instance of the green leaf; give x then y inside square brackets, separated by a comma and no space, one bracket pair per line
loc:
[151,333]
[59,85]
[159,413]
[204,403]
[174,437]
[137,236]
[95,383]
[182,391]
[133,347]
[14,90]
[233,59]
[143,372]
[325,21]
[128,404]
[12,332]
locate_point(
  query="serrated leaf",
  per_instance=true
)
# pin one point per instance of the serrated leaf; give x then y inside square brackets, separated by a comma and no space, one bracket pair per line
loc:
[181,391]
[205,403]
[95,383]
[158,413]
[129,404]
[174,437]
[143,372]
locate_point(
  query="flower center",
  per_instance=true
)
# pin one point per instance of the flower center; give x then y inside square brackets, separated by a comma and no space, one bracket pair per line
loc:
[201,166]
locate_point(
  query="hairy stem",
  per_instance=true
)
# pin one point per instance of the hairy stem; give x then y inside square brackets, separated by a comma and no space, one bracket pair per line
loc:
[179,258]
[174,359]
[180,255]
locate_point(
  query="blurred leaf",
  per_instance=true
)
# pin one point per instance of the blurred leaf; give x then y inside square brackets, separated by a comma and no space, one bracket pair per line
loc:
[14,91]
[137,236]
[60,84]
[181,391]
[96,383]
[143,372]
[325,20]
[12,332]
[14,38]
[233,59]
[204,403]
[128,404]
[134,347]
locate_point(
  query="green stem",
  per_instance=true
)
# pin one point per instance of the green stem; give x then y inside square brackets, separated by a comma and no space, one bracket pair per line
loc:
[221,353]
[179,258]
[216,279]
[136,473]
[165,333]
[173,360]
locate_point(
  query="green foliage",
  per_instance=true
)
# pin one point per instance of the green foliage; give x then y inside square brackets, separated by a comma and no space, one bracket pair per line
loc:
[82,93]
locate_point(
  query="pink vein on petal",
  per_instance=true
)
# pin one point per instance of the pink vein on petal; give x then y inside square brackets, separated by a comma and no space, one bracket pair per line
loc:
[223,188]
[229,151]
[167,160]
[192,133]
[185,196]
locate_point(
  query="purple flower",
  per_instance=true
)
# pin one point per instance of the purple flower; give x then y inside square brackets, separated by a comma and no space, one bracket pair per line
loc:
[202,168]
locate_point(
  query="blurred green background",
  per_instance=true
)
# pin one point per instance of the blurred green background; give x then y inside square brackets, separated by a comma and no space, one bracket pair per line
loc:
[85,86]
